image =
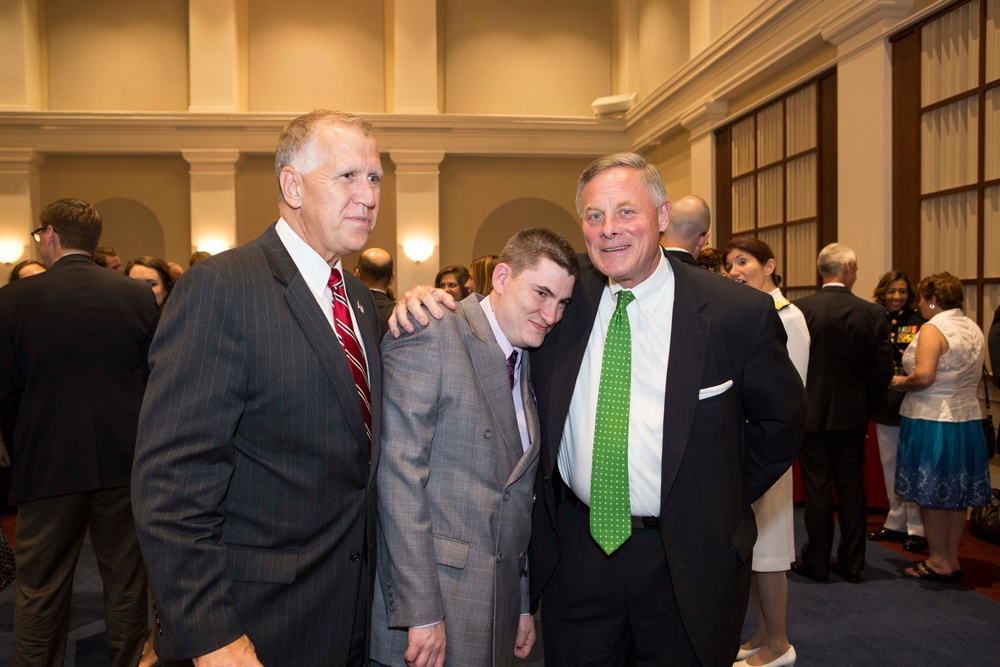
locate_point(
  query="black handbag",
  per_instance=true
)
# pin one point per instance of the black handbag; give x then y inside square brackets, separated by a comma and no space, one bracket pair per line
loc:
[7,567]
[988,430]
[984,522]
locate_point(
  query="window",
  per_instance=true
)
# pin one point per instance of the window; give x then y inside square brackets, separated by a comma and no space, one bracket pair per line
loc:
[776,179]
[946,151]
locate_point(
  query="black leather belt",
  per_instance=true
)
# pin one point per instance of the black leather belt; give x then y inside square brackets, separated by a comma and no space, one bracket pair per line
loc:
[638,522]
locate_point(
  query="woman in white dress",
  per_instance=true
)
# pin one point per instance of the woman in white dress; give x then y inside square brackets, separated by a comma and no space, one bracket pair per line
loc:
[751,262]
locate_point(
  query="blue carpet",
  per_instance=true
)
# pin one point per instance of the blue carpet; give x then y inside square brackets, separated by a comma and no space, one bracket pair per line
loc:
[885,621]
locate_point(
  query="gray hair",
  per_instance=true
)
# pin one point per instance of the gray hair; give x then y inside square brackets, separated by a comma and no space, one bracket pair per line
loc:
[831,260]
[296,137]
[649,174]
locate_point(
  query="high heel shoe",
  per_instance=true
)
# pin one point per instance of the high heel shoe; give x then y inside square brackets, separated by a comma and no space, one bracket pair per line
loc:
[785,660]
[746,653]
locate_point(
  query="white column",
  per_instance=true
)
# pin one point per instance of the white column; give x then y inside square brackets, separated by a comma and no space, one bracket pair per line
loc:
[213,198]
[19,204]
[864,133]
[217,71]
[20,56]
[704,24]
[415,58]
[417,215]
[699,121]
[625,78]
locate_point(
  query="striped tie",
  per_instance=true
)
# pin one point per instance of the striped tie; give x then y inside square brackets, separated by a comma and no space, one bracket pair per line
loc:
[352,348]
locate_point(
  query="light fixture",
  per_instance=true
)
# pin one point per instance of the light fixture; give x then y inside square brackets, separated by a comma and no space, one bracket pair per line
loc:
[11,251]
[418,250]
[613,104]
[213,246]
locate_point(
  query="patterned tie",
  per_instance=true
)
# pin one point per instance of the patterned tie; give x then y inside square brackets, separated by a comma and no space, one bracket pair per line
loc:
[610,512]
[352,348]
[511,365]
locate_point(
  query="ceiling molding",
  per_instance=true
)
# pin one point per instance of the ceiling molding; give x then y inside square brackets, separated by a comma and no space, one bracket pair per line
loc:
[145,133]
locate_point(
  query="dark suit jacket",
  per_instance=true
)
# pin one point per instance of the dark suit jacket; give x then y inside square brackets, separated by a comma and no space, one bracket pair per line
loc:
[682,255]
[253,492]
[385,306]
[994,346]
[73,344]
[850,359]
[719,454]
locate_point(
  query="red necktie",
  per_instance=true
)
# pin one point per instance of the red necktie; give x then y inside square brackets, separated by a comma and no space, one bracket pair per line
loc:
[352,348]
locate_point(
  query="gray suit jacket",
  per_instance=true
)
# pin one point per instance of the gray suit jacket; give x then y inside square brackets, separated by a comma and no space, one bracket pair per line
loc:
[254,496]
[456,492]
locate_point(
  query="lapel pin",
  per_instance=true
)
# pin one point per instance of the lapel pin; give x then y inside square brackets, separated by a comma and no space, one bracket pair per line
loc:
[360,307]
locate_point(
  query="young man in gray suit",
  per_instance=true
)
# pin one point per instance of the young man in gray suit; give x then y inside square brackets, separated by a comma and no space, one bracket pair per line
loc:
[458,471]
[259,436]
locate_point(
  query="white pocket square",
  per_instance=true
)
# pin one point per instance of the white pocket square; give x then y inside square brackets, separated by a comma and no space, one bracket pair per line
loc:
[709,392]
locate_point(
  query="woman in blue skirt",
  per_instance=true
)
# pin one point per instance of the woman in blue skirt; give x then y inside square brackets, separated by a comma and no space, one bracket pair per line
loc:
[942,463]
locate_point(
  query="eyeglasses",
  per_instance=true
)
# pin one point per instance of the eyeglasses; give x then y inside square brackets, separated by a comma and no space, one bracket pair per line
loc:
[37,234]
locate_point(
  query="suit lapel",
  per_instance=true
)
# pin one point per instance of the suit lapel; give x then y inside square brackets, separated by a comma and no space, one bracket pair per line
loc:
[490,368]
[688,345]
[317,330]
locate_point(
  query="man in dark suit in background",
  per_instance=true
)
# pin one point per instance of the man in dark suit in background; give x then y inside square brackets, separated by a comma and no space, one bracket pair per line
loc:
[850,365]
[714,412]
[260,430]
[993,341]
[73,344]
[374,269]
[687,234]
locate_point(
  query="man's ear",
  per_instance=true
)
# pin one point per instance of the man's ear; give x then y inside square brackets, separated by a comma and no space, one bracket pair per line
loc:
[291,186]
[501,274]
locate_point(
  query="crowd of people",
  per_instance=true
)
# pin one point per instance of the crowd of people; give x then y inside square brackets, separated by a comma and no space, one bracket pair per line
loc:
[295,468]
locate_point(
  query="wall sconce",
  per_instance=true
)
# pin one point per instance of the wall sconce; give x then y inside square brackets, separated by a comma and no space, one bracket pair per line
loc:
[11,251]
[213,246]
[418,250]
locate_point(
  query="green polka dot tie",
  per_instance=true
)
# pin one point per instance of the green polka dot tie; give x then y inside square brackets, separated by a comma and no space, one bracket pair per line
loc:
[610,512]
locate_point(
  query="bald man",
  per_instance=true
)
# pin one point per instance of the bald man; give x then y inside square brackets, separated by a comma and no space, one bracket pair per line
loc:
[374,269]
[687,233]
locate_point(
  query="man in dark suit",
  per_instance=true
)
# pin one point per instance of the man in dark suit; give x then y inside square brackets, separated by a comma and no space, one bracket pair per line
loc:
[714,412]
[993,341]
[73,344]
[687,234]
[374,269]
[259,435]
[850,365]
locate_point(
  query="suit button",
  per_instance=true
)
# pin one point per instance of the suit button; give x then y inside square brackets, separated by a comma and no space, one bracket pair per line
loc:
[545,478]
[532,499]
[500,557]
[487,434]
[520,557]
[355,556]
[506,495]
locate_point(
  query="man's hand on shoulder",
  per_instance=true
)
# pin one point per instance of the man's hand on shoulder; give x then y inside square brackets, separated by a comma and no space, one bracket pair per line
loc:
[240,653]
[427,645]
[412,302]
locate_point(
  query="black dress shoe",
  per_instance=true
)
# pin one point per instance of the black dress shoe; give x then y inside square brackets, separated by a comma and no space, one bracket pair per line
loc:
[886,535]
[798,567]
[850,576]
[915,543]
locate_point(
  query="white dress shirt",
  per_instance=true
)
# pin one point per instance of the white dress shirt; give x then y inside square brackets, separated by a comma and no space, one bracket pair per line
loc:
[650,316]
[316,273]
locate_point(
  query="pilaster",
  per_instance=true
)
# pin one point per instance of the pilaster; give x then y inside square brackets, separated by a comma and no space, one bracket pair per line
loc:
[417,214]
[213,198]
[19,203]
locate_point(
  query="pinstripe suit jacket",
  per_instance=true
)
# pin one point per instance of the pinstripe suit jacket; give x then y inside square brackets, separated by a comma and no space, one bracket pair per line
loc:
[253,491]
[456,492]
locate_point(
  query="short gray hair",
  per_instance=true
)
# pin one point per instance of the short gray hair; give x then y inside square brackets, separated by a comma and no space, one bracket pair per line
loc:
[650,176]
[832,258]
[296,137]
